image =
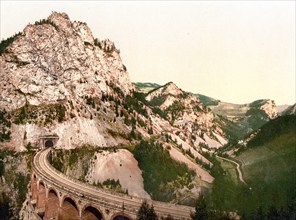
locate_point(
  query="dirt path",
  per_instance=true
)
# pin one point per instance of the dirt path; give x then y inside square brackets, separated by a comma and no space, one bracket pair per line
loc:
[240,175]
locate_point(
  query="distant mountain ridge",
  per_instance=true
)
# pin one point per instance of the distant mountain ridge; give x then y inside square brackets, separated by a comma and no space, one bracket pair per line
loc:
[147,87]
[236,120]
[291,110]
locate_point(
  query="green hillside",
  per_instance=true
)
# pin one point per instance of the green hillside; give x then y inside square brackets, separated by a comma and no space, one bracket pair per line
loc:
[275,128]
[269,169]
[206,100]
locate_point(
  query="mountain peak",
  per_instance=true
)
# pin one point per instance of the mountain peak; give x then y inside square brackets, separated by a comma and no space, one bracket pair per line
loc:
[56,16]
[170,84]
[68,60]
[56,66]
[269,107]
[172,89]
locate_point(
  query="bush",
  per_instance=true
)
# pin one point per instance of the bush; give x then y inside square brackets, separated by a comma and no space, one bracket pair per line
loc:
[134,104]
[5,43]
[43,113]
[175,110]
[46,21]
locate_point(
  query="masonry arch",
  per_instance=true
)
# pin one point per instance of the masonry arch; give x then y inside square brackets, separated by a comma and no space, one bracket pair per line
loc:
[41,199]
[52,205]
[121,216]
[40,182]
[69,210]
[91,213]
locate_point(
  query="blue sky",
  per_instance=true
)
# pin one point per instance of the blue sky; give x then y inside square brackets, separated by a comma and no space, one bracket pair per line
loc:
[235,51]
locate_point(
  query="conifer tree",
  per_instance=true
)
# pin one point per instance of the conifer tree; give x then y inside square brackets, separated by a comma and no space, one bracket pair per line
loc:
[146,212]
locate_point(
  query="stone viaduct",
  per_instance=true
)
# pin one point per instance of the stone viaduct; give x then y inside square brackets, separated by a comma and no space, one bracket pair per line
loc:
[52,195]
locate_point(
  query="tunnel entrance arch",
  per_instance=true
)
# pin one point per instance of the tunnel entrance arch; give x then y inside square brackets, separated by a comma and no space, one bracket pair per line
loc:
[48,140]
[48,144]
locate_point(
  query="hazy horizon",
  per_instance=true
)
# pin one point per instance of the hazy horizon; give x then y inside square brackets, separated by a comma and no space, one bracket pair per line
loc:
[236,52]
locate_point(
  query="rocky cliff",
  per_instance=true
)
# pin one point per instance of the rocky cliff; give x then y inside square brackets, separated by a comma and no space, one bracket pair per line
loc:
[238,120]
[186,112]
[54,76]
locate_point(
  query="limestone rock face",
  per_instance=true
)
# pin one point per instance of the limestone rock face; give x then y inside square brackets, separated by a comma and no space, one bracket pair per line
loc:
[269,107]
[186,112]
[58,62]
[54,62]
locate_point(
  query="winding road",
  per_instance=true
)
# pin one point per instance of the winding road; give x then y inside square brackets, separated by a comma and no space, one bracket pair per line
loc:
[240,175]
[43,168]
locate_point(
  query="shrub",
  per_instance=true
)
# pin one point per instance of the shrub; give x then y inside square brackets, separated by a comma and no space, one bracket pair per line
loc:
[175,110]
[5,43]
[46,21]
[134,104]
[97,43]
[31,113]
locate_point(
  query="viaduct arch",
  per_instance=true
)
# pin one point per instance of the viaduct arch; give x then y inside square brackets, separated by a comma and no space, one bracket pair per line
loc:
[56,196]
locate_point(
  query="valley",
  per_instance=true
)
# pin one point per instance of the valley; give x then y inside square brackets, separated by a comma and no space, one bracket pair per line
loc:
[114,144]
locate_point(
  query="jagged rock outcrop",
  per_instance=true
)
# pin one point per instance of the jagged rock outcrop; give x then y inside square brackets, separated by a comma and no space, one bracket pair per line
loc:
[52,73]
[239,120]
[56,61]
[267,106]
[186,112]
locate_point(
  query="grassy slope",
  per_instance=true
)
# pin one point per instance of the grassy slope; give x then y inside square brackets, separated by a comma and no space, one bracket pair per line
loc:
[269,168]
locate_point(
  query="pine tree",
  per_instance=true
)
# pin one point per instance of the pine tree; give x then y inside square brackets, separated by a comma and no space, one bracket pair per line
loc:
[146,212]
[201,211]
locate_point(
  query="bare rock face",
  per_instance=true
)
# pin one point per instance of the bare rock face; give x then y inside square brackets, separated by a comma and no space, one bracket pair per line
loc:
[270,109]
[54,61]
[55,65]
[186,112]
[119,165]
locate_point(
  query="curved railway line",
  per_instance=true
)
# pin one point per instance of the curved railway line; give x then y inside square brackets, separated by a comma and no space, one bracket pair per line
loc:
[49,174]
